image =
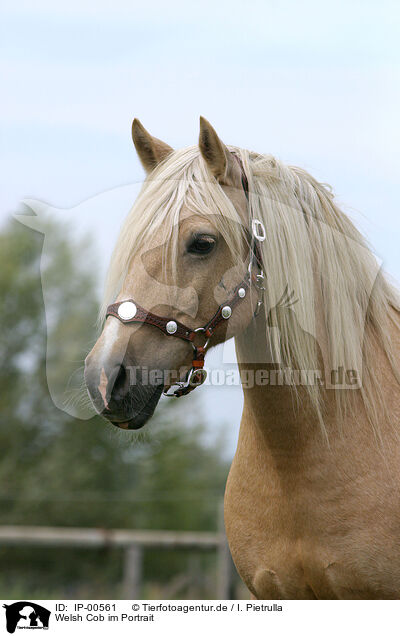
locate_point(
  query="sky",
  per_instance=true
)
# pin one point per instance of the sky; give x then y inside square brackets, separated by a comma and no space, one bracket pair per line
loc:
[315,84]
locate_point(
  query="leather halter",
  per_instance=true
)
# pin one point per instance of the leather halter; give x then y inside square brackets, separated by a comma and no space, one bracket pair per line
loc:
[127,311]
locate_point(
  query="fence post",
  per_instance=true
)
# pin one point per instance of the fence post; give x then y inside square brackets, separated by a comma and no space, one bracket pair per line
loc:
[224,561]
[132,572]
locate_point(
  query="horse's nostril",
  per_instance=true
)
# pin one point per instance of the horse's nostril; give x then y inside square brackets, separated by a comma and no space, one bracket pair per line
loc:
[107,385]
[120,385]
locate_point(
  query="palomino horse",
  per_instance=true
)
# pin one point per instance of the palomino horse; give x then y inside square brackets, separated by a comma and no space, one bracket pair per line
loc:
[225,242]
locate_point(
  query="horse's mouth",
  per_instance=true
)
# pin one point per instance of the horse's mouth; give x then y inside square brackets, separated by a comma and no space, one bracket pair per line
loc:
[131,418]
[128,424]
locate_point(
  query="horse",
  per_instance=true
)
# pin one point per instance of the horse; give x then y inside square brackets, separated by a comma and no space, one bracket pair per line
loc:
[224,242]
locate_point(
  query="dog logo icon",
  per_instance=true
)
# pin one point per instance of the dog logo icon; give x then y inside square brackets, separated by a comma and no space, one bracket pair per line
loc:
[26,615]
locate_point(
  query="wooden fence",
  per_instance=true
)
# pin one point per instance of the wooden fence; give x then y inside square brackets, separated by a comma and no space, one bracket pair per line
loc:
[133,542]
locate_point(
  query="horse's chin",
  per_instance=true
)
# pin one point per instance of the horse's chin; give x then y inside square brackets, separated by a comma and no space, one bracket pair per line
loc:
[134,419]
[130,425]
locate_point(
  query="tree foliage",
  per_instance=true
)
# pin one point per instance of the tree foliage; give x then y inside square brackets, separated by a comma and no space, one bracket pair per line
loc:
[58,471]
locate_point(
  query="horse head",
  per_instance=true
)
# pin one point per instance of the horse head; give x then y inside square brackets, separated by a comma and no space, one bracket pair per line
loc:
[183,251]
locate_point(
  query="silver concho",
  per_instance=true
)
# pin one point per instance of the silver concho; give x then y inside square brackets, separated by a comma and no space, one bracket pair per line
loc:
[241,292]
[171,327]
[127,310]
[226,312]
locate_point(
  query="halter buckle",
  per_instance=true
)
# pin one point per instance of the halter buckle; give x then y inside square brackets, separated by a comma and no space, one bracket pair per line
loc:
[260,278]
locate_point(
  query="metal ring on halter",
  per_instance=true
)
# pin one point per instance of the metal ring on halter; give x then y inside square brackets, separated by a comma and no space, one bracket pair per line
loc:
[200,330]
[199,372]
[256,226]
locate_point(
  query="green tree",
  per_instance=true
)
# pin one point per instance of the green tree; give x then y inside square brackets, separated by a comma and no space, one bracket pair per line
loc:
[56,470]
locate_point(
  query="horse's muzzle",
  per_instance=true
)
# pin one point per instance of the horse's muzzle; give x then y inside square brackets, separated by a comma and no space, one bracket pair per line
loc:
[126,404]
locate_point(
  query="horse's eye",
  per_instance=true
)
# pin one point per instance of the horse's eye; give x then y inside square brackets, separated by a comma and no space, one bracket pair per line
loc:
[201,245]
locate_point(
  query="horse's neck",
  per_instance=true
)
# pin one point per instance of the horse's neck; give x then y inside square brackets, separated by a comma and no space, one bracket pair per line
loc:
[285,424]
[283,419]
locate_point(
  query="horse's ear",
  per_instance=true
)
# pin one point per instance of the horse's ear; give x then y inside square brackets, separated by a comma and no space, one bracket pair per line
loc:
[151,150]
[214,151]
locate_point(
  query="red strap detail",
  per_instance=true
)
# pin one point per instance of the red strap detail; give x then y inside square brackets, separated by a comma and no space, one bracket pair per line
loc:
[198,358]
[198,364]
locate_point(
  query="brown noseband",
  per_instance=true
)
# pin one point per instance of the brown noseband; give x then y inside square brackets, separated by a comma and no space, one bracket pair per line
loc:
[128,311]
[170,327]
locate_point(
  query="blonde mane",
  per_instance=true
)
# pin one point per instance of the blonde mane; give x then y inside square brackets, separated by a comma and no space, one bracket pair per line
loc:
[312,249]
